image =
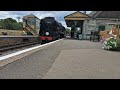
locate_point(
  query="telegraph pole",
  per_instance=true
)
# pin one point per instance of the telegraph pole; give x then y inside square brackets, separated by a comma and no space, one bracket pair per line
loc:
[18,19]
[84,12]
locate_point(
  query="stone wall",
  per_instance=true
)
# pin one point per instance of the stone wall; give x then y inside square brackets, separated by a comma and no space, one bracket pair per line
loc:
[91,24]
[88,26]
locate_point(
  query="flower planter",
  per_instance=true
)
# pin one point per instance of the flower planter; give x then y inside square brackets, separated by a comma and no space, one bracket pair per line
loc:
[112,43]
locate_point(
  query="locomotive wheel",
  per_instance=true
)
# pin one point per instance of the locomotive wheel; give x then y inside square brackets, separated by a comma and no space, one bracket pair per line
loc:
[43,42]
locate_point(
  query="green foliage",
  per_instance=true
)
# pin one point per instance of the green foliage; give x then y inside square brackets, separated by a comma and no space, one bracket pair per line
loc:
[111,43]
[10,24]
[68,31]
[118,42]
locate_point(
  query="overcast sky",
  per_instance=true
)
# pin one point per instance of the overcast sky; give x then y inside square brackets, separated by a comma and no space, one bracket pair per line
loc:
[59,15]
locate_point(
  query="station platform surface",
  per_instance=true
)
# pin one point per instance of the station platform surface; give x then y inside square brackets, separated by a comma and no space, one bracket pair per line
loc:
[66,59]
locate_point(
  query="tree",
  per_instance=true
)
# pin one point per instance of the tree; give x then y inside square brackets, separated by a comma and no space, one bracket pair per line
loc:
[20,25]
[2,26]
[10,23]
[68,31]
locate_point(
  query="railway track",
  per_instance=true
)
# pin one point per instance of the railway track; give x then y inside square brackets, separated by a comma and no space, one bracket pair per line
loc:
[5,48]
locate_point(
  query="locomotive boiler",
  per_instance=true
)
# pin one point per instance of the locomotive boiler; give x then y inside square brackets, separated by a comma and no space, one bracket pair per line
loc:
[50,30]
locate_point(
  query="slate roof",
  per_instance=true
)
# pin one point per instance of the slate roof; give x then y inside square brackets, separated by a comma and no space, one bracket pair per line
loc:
[77,12]
[105,14]
[30,15]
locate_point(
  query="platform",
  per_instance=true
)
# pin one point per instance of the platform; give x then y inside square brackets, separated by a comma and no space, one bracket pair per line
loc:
[66,59]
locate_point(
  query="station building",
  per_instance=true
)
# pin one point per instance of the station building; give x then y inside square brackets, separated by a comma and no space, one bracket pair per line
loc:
[96,20]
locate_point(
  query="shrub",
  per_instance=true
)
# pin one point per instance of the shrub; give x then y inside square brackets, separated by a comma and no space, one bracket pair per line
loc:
[111,43]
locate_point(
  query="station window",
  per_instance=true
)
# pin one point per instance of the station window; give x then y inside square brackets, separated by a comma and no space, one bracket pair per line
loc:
[37,23]
[31,21]
[117,26]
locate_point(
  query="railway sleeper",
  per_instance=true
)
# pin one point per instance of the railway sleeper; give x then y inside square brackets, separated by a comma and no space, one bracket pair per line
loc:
[16,46]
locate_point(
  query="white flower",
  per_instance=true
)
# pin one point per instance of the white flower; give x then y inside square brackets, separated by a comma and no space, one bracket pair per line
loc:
[108,39]
[115,36]
[110,46]
[105,42]
[115,44]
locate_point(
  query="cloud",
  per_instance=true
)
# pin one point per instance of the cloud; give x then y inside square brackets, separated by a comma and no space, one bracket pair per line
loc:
[59,15]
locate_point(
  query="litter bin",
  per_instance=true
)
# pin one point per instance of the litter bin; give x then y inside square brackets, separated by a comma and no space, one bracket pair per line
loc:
[80,37]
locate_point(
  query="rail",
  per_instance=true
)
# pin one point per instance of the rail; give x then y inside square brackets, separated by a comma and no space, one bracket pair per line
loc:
[16,46]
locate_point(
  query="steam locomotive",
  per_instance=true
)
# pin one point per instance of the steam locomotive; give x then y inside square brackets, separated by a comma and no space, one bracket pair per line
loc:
[51,30]
[45,30]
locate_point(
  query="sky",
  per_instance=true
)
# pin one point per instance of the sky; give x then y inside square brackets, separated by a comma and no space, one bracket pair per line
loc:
[59,15]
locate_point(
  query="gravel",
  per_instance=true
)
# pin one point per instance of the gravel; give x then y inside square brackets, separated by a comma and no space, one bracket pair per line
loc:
[16,50]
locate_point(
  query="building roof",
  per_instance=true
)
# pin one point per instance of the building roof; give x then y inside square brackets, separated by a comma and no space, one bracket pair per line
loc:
[30,15]
[76,16]
[105,14]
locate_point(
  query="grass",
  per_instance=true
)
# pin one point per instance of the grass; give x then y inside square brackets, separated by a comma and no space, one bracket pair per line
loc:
[11,32]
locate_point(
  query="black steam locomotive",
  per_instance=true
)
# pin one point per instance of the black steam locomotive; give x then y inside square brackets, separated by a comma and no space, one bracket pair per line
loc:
[36,30]
[50,30]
